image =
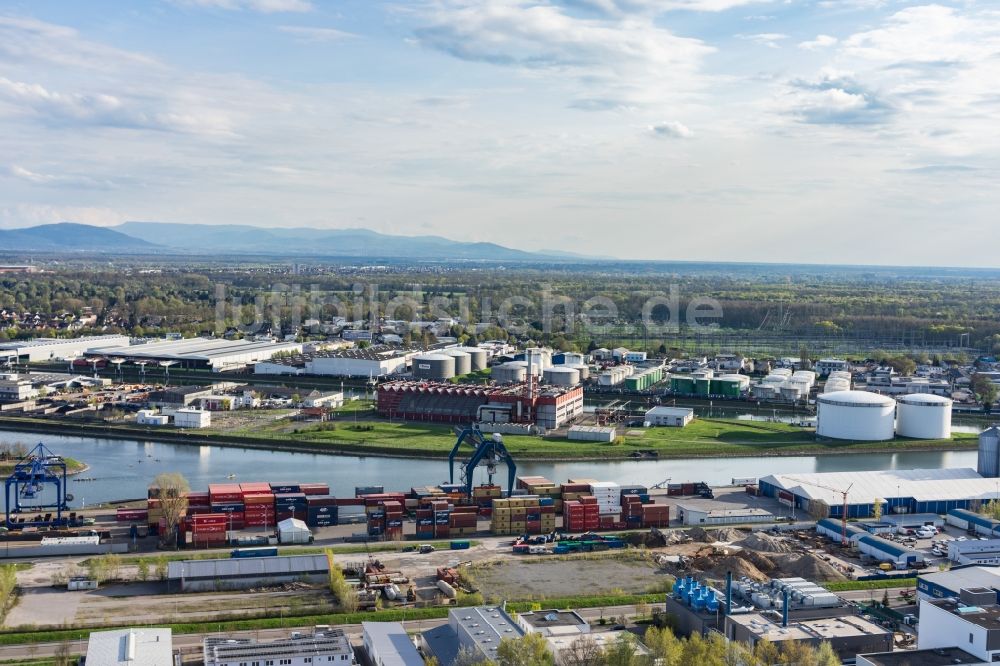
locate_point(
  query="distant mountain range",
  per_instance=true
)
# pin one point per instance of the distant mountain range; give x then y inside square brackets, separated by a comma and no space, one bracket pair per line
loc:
[229,239]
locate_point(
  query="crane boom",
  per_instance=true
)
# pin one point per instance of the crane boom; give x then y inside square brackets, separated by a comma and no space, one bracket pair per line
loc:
[843,511]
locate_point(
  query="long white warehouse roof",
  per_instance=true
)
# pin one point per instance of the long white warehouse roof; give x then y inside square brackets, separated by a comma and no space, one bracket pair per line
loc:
[201,349]
[923,485]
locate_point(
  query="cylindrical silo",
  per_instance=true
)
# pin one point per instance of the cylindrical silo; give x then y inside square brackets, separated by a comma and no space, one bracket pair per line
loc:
[989,453]
[463,362]
[514,372]
[583,369]
[855,415]
[923,416]
[478,357]
[434,366]
[560,375]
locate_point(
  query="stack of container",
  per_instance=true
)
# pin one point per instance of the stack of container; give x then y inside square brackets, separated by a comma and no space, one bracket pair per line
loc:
[375,513]
[425,520]
[655,515]
[632,511]
[377,509]
[463,521]
[209,529]
[321,511]
[500,523]
[314,488]
[132,515]
[442,518]
[483,497]
[573,490]
[290,505]
[609,498]
[393,520]
[581,515]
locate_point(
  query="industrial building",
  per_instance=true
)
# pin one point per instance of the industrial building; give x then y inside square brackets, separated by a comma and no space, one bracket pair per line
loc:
[950,583]
[692,514]
[825,366]
[847,635]
[476,629]
[179,396]
[855,415]
[192,418]
[592,433]
[388,644]
[56,349]
[324,646]
[215,354]
[677,417]
[883,550]
[902,490]
[971,621]
[974,552]
[243,573]
[974,523]
[547,406]
[371,362]
[131,647]
[952,656]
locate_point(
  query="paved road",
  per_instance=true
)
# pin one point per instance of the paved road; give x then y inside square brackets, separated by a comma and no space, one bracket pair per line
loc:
[190,644]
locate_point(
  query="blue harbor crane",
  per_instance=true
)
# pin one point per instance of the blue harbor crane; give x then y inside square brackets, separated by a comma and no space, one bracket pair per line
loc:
[39,468]
[489,452]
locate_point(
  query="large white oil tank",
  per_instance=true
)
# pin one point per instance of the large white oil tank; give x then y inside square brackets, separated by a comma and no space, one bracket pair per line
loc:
[989,453]
[477,355]
[857,415]
[463,362]
[559,375]
[514,372]
[583,369]
[923,416]
[434,366]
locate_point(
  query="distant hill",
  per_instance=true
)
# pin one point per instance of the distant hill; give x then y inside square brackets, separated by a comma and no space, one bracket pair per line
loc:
[70,237]
[240,239]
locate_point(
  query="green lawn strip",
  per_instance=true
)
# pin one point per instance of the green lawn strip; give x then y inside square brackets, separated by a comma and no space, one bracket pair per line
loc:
[854,585]
[394,615]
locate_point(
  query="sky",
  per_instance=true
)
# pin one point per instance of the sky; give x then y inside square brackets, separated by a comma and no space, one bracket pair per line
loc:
[830,131]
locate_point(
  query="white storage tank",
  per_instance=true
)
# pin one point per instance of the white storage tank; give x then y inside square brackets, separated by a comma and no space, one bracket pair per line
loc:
[463,362]
[923,416]
[583,369]
[855,415]
[478,356]
[514,372]
[434,366]
[559,375]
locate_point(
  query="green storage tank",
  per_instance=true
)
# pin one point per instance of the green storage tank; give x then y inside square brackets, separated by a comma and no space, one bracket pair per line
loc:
[683,385]
[702,386]
[729,388]
[631,383]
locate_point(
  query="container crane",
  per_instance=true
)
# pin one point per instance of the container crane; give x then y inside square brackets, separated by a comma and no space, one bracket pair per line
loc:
[488,453]
[28,480]
[843,512]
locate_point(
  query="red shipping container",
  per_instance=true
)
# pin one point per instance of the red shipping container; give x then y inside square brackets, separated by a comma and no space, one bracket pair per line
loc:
[315,488]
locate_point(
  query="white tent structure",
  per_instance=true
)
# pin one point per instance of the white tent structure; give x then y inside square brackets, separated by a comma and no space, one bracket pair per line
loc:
[292,530]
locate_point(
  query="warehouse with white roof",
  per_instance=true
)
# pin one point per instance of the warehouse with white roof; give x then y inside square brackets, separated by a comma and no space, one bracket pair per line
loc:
[902,490]
[216,354]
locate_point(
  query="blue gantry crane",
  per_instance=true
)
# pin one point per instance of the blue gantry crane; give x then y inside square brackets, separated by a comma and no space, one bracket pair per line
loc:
[489,452]
[31,475]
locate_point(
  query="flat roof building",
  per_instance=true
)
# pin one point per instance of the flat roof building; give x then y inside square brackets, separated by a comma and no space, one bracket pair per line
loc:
[691,514]
[215,354]
[326,646]
[131,647]
[241,573]
[848,635]
[950,583]
[669,416]
[970,622]
[56,349]
[477,629]
[388,644]
[935,657]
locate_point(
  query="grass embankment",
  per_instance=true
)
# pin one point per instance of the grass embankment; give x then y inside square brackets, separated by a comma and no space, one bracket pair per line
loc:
[437,612]
[72,466]
[710,438]
[855,585]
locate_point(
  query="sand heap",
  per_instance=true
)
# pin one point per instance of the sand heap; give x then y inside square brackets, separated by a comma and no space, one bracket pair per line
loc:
[765,543]
[728,535]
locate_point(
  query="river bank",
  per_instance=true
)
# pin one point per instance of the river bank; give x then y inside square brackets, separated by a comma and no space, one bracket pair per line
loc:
[705,438]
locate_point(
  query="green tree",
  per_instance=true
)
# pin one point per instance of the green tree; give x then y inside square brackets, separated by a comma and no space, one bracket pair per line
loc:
[142,569]
[986,391]
[825,656]
[665,646]
[877,509]
[529,650]
[173,489]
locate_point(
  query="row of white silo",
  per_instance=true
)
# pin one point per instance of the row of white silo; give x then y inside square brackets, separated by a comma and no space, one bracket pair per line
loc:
[866,416]
[838,380]
[615,375]
[450,362]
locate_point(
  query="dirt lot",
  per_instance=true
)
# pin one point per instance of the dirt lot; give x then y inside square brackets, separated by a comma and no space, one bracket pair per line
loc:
[546,576]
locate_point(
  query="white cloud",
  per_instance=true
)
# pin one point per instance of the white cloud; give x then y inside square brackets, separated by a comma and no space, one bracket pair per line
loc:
[310,34]
[835,98]
[821,42]
[671,129]
[30,40]
[263,6]
[57,180]
[619,60]
[659,6]
[768,39]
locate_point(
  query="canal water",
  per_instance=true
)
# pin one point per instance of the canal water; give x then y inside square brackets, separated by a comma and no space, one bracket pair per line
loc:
[124,468]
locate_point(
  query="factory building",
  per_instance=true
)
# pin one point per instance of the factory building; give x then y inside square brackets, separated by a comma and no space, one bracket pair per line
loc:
[970,621]
[192,418]
[974,523]
[592,433]
[855,415]
[548,407]
[825,366]
[847,635]
[388,644]
[692,514]
[903,490]
[131,647]
[974,552]
[215,354]
[324,646]
[371,362]
[244,573]
[676,417]
[56,349]
[950,583]
[952,656]
[883,550]
[835,530]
